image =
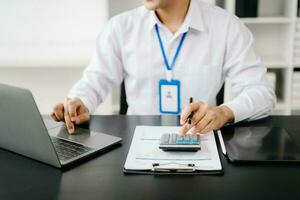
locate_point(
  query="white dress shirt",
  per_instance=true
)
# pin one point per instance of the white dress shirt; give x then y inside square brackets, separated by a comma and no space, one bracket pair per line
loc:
[217,46]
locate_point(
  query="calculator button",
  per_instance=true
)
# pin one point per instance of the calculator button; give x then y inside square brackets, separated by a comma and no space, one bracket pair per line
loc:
[165,139]
[179,140]
[195,139]
[186,139]
[194,142]
[173,138]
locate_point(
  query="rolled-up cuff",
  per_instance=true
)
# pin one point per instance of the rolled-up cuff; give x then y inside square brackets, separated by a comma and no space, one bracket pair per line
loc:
[239,110]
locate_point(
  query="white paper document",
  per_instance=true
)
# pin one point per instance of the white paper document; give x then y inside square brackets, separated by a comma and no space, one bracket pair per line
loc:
[144,151]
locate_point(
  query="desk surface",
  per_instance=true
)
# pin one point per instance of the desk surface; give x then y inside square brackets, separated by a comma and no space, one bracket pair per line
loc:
[102,176]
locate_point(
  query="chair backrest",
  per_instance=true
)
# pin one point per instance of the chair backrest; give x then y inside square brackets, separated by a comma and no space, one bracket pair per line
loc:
[220,96]
[123,101]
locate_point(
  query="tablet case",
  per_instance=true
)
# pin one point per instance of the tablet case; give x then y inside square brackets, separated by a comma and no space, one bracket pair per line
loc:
[261,145]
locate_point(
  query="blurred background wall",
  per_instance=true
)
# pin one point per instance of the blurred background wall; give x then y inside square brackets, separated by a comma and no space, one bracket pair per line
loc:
[45,45]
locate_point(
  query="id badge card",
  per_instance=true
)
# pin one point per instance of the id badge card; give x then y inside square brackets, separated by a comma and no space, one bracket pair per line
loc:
[169,97]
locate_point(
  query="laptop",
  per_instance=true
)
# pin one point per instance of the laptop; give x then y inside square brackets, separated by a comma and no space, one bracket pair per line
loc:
[23,131]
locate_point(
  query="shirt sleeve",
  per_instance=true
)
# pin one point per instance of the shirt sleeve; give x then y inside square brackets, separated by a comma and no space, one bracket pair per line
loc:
[104,71]
[254,97]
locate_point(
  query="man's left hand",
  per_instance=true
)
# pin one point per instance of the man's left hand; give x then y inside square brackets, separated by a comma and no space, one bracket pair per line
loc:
[205,118]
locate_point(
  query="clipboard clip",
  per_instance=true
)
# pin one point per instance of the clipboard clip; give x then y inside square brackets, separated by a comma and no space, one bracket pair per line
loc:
[173,167]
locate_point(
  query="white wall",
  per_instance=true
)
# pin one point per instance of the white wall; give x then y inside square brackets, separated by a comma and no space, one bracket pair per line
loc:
[49,85]
[45,45]
[49,33]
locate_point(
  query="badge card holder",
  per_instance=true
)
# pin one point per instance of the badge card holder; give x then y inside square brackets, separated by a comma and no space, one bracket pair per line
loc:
[169,96]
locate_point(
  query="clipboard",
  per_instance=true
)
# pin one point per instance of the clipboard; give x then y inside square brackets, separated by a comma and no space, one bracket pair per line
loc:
[145,157]
[174,171]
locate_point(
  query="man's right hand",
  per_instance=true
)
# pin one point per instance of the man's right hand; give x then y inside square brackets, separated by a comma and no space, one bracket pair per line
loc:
[72,112]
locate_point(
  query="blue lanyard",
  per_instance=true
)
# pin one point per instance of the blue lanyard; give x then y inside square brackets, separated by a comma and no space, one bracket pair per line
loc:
[169,67]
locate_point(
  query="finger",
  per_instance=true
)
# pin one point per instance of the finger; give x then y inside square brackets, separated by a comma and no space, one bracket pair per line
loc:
[199,115]
[193,131]
[69,123]
[80,119]
[73,106]
[53,116]
[188,110]
[59,111]
[184,129]
[59,117]
[188,128]
[202,124]
[210,127]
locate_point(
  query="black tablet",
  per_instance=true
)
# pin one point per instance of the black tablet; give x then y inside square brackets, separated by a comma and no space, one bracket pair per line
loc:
[261,144]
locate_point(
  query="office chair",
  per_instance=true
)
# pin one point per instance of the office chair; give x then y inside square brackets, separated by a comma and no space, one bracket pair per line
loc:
[123,100]
[124,105]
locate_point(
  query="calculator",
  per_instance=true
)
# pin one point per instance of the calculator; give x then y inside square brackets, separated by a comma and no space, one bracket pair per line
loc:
[175,142]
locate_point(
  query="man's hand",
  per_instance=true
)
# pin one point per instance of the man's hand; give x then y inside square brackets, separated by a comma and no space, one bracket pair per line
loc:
[205,118]
[72,112]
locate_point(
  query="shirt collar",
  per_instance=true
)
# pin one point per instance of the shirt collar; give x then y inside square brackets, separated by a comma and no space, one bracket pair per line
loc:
[192,20]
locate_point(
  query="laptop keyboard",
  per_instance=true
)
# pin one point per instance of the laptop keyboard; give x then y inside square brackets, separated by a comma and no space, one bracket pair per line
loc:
[67,150]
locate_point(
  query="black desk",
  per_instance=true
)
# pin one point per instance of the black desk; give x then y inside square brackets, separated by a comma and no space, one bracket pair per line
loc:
[102,177]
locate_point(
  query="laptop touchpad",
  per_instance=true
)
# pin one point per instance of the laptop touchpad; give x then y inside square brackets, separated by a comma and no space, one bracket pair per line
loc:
[84,136]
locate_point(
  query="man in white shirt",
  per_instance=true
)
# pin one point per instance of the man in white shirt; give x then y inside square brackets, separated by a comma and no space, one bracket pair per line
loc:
[204,45]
